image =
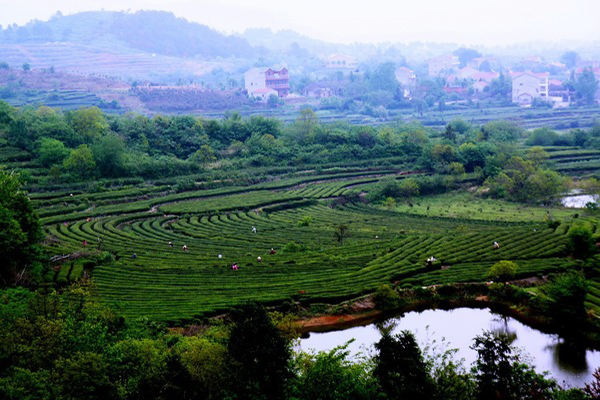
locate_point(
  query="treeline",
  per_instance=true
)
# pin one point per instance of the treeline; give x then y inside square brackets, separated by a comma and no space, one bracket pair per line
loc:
[69,347]
[86,144]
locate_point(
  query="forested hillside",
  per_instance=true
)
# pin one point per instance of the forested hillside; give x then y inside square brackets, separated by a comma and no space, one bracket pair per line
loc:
[152,31]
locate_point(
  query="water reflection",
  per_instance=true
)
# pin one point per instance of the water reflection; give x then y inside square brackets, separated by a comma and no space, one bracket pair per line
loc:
[565,360]
[578,201]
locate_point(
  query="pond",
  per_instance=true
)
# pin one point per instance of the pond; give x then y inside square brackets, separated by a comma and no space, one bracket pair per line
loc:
[578,201]
[567,362]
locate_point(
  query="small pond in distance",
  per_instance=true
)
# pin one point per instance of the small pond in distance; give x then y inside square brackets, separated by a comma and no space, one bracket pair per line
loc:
[566,362]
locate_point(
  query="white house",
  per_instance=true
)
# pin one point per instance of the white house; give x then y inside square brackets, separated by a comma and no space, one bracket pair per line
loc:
[406,76]
[256,79]
[442,65]
[528,86]
[341,62]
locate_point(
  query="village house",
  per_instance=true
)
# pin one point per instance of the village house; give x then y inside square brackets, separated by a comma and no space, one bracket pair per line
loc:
[324,89]
[476,63]
[406,76]
[341,62]
[528,86]
[442,65]
[258,79]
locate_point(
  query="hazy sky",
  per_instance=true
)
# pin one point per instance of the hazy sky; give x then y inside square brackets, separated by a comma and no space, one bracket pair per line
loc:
[346,21]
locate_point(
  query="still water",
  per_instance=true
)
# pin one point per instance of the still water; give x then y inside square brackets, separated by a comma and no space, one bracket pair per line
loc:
[567,362]
[578,201]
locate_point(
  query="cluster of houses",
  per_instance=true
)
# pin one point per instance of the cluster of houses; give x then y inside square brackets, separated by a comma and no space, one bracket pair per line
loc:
[470,80]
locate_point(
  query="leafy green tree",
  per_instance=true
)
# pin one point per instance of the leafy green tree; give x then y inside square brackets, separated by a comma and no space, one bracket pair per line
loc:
[51,151]
[389,203]
[400,368]
[109,155]
[408,188]
[26,67]
[204,155]
[581,241]
[465,55]
[84,375]
[501,87]
[90,123]
[80,161]
[500,375]
[341,233]
[565,299]
[20,232]
[4,66]
[537,155]
[305,125]
[259,355]
[206,362]
[384,78]
[542,137]
[586,86]
[332,376]
[503,270]
[569,58]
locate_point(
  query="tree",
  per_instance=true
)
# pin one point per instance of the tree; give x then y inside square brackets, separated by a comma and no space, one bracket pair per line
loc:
[586,86]
[20,232]
[204,155]
[109,155]
[273,101]
[259,355]
[305,124]
[501,87]
[332,376]
[206,363]
[570,58]
[51,151]
[465,55]
[90,123]
[341,233]
[4,66]
[389,203]
[500,375]
[581,241]
[26,67]
[503,270]
[565,299]
[400,368]
[408,188]
[80,161]
[537,155]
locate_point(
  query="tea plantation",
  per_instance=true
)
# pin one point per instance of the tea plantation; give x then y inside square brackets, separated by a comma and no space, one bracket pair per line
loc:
[297,217]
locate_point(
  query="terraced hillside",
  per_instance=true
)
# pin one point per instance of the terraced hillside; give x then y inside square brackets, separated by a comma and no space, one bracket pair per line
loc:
[170,284]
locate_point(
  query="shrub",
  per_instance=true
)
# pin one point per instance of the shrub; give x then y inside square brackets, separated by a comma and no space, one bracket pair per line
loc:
[503,270]
[305,221]
[386,298]
[581,241]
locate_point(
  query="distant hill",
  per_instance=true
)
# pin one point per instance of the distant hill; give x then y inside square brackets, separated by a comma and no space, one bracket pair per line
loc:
[150,31]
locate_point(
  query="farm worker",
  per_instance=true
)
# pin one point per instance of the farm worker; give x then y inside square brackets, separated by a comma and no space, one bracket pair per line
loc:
[234,267]
[259,259]
[134,256]
[185,248]
[65,223]
[496,246]
[253,229]
[170,244]
[220,256]
[71,195]
[272,251]
[84,243]
[88,219]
